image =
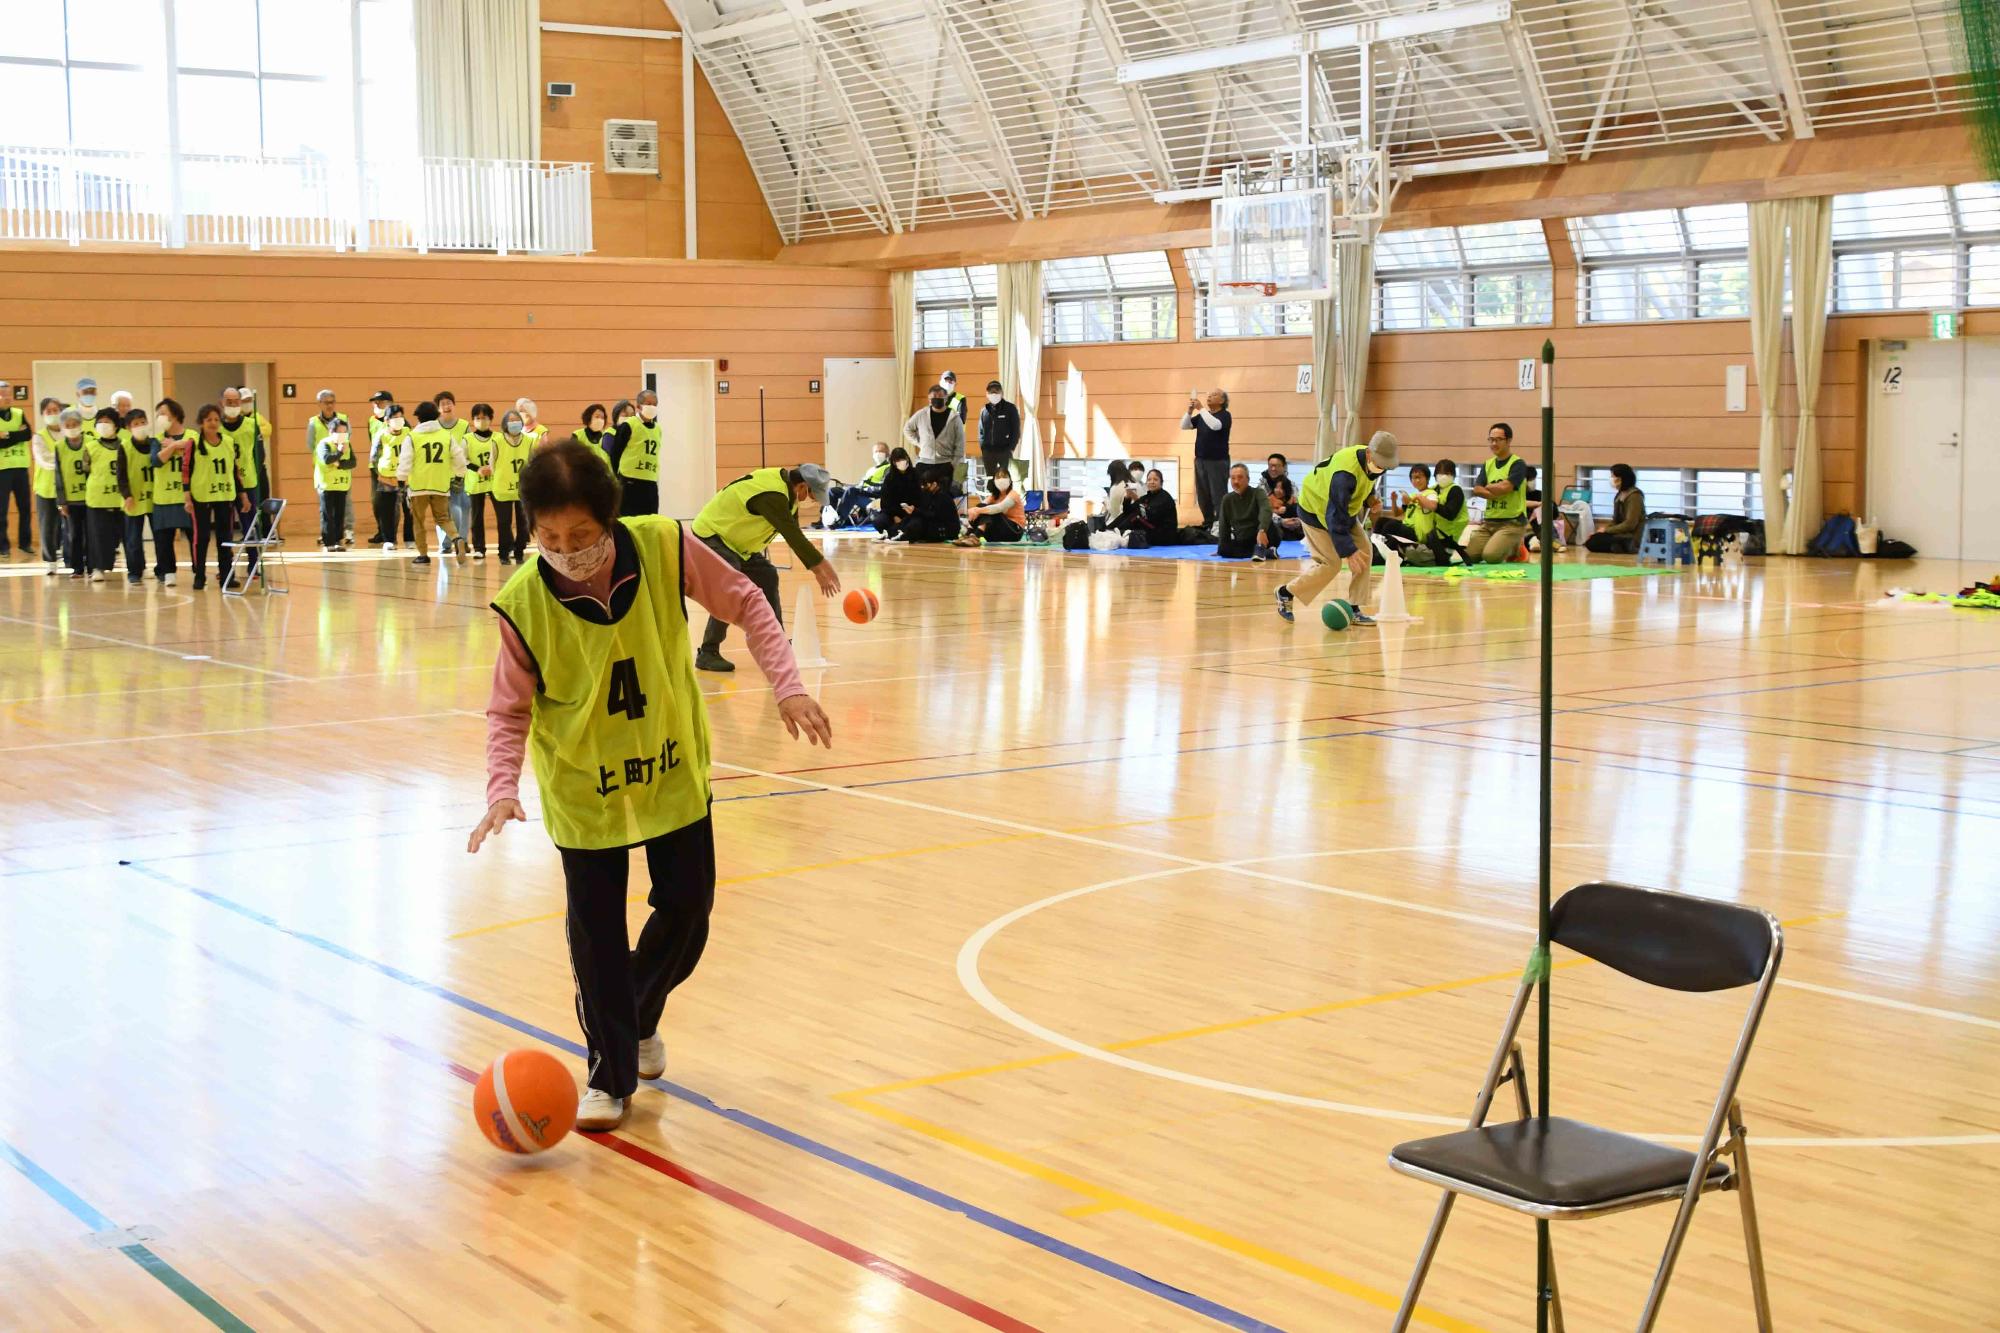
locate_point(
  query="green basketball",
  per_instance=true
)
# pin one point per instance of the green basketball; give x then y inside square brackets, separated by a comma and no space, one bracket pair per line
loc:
[1349,607]
[1336,615]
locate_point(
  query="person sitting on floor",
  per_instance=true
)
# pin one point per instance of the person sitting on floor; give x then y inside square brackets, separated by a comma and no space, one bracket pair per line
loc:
[849,504]
[1248,527]
[933,517]
[1628,515]
[1001,518]
[1285,507]
[899,494]
[1121,496]
[1157,511]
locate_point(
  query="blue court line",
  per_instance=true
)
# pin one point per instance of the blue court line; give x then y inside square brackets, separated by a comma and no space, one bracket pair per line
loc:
[1096,1263]
[163,1272]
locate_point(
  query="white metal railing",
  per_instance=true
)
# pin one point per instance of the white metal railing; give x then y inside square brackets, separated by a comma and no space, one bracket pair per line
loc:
[85,197]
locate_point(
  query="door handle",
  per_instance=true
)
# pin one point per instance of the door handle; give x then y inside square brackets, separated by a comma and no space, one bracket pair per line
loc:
[1953,441]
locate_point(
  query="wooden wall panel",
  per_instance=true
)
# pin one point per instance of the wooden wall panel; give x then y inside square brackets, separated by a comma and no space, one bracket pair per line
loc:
[566,332]
[636,78]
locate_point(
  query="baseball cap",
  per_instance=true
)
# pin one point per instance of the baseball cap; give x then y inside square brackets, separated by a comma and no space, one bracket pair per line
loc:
[381,396]
[1382,450]
[817,480]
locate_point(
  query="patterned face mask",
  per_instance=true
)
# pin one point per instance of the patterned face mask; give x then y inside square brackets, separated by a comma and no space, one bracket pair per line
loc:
[580,566]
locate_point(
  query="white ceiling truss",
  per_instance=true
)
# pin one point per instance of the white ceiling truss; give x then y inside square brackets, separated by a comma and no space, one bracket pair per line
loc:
[885,115]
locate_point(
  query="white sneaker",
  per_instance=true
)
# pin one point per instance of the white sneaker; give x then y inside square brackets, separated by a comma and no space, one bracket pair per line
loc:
[97,576]
[168,581]
[388,546]
[652,1056]
[600,1111]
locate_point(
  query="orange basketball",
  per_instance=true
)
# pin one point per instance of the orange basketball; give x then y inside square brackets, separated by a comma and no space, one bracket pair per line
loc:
[525,1102]
[861,606]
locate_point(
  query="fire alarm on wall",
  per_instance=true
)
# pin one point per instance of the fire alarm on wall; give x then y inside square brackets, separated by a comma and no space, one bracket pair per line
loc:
[722,365]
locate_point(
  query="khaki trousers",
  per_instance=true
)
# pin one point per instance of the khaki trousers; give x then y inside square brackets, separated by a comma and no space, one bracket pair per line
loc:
[1325,563]
[427,509]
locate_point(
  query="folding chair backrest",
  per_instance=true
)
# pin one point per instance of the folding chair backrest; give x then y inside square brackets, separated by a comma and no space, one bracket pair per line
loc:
[1667,939]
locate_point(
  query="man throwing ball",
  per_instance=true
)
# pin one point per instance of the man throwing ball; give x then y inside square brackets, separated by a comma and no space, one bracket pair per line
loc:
[595,675]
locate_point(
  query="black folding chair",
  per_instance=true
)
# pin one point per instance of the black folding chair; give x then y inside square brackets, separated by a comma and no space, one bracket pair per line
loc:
[1557,1169]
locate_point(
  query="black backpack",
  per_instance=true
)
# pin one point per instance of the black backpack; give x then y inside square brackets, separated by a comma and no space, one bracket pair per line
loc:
[1076,536]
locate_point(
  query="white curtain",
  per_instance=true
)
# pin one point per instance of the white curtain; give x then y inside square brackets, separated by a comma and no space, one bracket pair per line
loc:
[1812,268]
[1020,290]
[1326,344]
[903,338]
[476,94]
[1808,223]
[1355,265]
[1767,354]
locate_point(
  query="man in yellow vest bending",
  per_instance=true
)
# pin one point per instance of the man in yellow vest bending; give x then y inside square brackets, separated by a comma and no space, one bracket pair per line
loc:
[1503,484]
[1333,506]
[742,520]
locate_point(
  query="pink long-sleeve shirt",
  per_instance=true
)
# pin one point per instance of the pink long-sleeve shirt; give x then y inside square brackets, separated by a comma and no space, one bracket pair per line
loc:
[713,585]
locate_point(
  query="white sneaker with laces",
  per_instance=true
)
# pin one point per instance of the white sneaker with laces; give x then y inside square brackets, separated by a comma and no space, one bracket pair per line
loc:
[168,580]
[652,1056]
[600,1111]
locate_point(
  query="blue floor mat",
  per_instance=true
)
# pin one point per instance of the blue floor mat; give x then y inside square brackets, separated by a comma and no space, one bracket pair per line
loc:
[1205,551]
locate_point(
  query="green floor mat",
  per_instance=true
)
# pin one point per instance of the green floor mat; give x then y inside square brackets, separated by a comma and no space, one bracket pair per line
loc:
[1564,573]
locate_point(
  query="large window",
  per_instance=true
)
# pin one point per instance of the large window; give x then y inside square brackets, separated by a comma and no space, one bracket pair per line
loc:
[1463,277]
[957,307]
[1223,319]
[1672,263]
[244,78]
[1110,298]
[1734,491]
[1923,249]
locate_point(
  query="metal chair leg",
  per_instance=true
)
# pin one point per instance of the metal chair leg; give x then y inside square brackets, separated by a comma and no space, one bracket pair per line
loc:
[1664,1275]
[1555,1291]
[1424,1257]
[1739,1151]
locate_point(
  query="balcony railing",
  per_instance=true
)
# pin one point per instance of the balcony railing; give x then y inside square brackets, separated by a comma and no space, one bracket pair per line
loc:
[421,204]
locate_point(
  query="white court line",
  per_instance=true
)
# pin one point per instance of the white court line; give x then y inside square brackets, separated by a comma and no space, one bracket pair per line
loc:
[234,731]
[975,986]
[145,647]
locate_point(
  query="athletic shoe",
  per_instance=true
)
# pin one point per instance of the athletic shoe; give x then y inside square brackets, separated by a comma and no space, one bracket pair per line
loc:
[388,546]
[600,1111]
[134,583]
[479,555]
[97,576]
[52,571]
[168,581]
[421,560]
[1285,603]
[652,1056]
[707,659]
[458,550]
[1360,618]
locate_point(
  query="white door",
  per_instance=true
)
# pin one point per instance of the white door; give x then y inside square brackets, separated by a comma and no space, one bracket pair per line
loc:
[1915,443]
[687,433]
[1979,495]
[859,396]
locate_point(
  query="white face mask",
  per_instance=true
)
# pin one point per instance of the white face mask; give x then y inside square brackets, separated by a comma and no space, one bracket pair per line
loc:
[140,430]
[339,439]
[597,425]
[163,423]
[106,431]
[378,409]
[50,418]
[515,428]
[72,432]
[231,413]
[87,398]
[1002,483]
[903,466]
[579,566]
[992,397]
[395,423]
[649,411]
[880,458]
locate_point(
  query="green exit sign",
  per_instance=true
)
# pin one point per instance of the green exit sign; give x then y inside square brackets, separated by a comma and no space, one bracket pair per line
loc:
[1944,324]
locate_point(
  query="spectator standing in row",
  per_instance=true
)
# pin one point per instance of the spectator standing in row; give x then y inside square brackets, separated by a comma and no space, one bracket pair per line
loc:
[1209,420]
[999,431]
[936,432]
[16,434]
[170,516]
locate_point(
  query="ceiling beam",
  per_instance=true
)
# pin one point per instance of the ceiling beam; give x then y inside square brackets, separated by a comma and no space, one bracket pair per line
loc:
[989,123]
[1528,77]
[808,35]
[1341,37]
[1150,140]
[1778,60]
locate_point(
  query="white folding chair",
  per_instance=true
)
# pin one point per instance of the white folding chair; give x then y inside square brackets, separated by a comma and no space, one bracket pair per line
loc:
[263,547]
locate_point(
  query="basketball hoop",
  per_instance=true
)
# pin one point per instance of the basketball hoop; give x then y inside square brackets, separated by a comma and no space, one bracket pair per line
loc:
[1267,289]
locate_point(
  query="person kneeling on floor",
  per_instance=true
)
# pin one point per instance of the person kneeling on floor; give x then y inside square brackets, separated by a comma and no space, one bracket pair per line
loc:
[1001,518]
[1504,486]
[1249,529]
[1333,504]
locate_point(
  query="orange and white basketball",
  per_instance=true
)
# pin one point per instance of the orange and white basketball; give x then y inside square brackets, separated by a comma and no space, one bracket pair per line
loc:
[861,606]
[525,1102]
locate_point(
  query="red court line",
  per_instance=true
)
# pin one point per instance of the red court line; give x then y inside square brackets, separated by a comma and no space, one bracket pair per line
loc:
[804,1230]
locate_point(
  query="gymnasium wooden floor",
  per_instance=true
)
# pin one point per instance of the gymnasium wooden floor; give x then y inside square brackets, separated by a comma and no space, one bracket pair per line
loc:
[1085,985]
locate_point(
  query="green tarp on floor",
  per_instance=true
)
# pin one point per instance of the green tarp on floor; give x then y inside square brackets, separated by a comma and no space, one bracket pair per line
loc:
[1531,573]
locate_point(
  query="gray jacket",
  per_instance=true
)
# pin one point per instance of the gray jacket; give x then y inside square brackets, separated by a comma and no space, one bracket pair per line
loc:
[948,447]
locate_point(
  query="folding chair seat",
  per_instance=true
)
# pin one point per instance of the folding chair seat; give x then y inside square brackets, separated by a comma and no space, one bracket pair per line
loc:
[1552,1168]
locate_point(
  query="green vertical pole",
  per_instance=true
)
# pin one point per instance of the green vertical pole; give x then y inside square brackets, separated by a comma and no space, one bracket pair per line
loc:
[1550,492]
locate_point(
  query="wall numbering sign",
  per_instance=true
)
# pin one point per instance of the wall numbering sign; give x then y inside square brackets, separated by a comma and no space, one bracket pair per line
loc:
[1892,378]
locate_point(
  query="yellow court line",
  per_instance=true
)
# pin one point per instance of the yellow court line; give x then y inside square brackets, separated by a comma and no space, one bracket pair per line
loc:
[1239,1024]
[1104,1199]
